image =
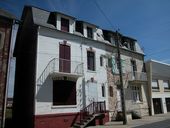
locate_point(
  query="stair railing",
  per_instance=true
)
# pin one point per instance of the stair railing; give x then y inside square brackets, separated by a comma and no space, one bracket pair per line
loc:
[91,109]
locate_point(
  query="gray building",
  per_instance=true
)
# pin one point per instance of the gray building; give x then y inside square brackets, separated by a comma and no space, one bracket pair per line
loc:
[159,86]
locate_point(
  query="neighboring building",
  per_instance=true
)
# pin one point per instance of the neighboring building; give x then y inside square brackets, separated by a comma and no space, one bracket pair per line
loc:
[65,69]
[6,34]
[134,76]
[159,86]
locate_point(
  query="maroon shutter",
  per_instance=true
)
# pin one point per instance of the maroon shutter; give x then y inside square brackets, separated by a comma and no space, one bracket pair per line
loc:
[67,59]
[64,25]
[64,58]
[61,66]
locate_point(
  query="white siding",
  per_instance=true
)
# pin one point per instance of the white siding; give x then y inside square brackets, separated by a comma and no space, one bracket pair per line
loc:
[48,48]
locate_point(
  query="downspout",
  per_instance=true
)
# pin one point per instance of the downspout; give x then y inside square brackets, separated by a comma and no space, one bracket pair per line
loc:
[83,78]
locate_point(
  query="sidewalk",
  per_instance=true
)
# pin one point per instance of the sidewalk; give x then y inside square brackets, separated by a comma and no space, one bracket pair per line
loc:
[136,122]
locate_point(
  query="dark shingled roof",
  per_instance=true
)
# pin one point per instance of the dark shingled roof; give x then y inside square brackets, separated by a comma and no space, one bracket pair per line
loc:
[43,17]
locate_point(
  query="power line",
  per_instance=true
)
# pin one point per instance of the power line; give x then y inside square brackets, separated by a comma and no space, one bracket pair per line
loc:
[102,12]
[159,51]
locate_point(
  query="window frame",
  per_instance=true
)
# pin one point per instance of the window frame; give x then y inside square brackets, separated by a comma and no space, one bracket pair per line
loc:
[154,87]
[166,81]
[91,61]
[136,93]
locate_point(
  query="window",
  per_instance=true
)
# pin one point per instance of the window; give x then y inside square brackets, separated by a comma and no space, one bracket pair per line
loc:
[109,63]
[90,60]
[111,91]
[103,91]
[155,84]
[1,40]
[144,68]
[166,84]
[134,68]
[79,27]
[64,61]
[64,92]
[64,25]
[89,32]
[101,61]
[132,46]
[107,37]
[136,93]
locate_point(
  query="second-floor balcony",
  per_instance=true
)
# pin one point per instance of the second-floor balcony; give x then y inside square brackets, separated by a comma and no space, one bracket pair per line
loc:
[137,76]
[61,67]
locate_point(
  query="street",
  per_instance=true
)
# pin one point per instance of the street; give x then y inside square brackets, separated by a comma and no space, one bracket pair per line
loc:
[156,121]
[160,124]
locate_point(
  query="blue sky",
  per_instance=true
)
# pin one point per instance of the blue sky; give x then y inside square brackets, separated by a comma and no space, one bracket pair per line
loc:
[148,21]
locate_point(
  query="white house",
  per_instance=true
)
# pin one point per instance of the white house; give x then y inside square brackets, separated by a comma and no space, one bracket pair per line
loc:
[63,69]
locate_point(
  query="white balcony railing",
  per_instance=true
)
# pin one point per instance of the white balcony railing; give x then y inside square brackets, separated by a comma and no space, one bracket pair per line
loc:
[62,66]
[138,76]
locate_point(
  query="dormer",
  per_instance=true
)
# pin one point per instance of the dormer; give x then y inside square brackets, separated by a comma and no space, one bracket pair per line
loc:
[65,23]
[109,36]
[128,43]
[86,29]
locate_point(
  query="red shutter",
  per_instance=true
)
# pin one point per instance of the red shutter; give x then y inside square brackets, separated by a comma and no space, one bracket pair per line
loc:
[64,58]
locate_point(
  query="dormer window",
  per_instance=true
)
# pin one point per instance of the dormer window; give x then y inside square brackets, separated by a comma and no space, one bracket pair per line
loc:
[89,32]
[79,27]
[132,46]
[64,25]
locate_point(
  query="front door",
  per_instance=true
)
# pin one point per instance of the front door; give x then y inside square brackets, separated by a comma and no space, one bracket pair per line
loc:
[168,104]
[64,61]
[92,95]
[157,105]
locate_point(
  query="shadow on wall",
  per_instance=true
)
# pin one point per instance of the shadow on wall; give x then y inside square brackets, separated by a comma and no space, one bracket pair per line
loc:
[44,91]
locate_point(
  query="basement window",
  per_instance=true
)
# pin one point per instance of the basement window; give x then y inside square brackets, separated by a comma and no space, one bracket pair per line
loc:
[64,92]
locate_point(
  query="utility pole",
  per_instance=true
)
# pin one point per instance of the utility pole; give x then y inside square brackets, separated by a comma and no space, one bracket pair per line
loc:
[121,79]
